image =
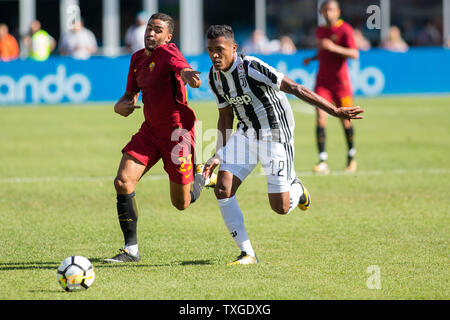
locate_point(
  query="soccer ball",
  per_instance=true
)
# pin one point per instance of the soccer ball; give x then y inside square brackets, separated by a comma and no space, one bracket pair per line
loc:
[75,273]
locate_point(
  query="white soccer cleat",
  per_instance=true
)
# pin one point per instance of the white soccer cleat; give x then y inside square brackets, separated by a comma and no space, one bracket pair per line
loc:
[244,258]
[321,168]
[351,167]
[211,181]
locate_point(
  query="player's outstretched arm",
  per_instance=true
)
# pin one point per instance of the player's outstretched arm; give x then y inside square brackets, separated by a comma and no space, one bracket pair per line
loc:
[290,86]
[127,104]
[191,77]
[345,52]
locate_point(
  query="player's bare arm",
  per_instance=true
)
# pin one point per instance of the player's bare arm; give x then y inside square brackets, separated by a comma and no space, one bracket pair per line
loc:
[224,127]
[329,45]
[290,86]
[127,104]
[191,77]
[306,61]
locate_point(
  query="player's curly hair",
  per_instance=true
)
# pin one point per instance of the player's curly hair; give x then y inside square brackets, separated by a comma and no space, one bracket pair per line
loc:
[220,30]
[166,18]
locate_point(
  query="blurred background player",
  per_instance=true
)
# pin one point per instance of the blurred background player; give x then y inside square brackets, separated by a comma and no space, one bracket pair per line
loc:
[335,44]
[252,90]
[160,71]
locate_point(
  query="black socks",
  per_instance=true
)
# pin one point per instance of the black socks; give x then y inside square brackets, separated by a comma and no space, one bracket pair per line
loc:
[349,138]
[128,216]
[320,134]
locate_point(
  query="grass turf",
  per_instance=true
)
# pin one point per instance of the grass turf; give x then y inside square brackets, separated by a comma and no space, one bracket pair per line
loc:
[57,199]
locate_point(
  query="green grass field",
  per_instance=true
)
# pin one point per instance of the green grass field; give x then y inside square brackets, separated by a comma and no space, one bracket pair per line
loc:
[57,199]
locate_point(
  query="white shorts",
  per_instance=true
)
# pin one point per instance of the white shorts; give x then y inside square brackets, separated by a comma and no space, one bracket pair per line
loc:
[241,154]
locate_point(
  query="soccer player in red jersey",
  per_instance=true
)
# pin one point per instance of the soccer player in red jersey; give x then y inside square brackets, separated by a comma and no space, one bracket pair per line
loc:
[336,44]
[160,72]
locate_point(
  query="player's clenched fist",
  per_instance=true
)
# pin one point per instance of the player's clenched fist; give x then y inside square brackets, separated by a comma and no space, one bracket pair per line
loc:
[126,105]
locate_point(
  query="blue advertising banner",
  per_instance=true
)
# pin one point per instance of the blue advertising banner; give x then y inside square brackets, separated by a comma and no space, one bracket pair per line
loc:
[65,80]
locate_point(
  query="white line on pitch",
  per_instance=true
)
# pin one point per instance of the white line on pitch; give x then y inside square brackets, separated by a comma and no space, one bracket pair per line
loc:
[380,172]
[163,177]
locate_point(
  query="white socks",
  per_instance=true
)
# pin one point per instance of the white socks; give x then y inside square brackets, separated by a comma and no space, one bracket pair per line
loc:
[352,152]
[133,249]
[295,193]
[323,156]
[234,220]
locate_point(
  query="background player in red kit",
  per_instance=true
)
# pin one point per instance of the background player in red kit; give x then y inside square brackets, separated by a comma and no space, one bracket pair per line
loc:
[336,44]
[160,72]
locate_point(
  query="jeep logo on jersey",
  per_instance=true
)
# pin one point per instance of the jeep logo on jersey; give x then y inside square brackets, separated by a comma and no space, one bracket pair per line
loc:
[244,99]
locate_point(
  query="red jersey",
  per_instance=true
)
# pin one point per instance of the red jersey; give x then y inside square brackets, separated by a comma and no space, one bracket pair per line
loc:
[164,95]
[333,69]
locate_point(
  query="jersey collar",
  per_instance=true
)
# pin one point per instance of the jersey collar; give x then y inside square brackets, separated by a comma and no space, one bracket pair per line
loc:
[233,66]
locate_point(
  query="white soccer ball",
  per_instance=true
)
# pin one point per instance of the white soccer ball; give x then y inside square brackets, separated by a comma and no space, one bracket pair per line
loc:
[76,273]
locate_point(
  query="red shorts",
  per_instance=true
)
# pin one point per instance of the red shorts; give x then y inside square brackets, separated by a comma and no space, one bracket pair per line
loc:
[177,153]
[341,97]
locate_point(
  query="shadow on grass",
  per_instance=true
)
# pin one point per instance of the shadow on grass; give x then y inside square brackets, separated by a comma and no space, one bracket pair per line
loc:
[28,265]
[98,263]
[196,262]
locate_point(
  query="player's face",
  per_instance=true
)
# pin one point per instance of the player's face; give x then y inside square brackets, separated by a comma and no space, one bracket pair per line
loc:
[331,12]
[222,52]
[156,34]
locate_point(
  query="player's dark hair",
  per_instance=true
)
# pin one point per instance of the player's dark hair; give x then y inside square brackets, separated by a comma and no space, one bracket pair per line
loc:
[166,18]
[222,30]
[327,2]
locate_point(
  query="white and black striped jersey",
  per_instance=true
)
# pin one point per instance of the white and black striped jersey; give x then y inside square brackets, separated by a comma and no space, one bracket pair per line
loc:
[252,88]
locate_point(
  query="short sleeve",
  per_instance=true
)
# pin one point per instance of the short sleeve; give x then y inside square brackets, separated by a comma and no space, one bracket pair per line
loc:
[177,62]
[262,72]
[132,85]
[348,39]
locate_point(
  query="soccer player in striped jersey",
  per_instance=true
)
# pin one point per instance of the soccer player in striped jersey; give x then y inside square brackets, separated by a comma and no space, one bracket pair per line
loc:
[254,92]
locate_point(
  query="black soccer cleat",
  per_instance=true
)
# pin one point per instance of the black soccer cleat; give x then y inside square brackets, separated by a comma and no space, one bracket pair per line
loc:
[123,256]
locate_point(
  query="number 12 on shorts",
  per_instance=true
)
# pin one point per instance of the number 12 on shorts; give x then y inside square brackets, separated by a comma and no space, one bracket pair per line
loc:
[277,170]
